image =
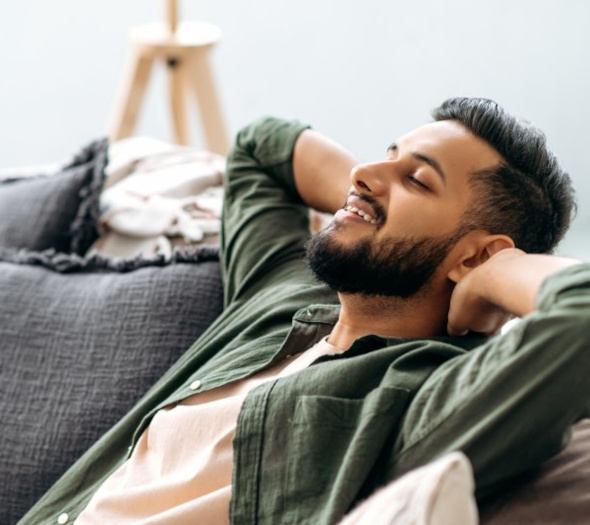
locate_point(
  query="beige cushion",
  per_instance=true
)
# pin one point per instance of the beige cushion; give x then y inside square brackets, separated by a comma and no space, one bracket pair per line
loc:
[440,493]
[559,493]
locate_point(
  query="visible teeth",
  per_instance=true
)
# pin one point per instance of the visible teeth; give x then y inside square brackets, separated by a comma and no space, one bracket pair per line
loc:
[361,214]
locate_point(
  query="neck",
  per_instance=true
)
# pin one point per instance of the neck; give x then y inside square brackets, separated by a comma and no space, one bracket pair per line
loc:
[421,316]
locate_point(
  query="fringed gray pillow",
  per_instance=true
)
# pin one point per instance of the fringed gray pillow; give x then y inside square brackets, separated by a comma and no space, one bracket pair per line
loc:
[57,211]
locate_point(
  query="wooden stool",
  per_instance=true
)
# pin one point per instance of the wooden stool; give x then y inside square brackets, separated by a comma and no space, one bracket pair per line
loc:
[183,48]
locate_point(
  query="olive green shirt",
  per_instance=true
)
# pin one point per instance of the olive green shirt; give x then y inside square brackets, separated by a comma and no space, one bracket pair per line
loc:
[308,446]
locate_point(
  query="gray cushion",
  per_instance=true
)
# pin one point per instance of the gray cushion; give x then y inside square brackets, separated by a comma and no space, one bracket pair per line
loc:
[57,211]
[80,341]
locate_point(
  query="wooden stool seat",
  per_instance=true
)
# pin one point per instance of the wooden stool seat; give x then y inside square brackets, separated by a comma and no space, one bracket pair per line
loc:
[189,36]
[183,48]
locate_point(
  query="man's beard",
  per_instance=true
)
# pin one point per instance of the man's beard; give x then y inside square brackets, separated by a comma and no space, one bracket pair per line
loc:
[396,267]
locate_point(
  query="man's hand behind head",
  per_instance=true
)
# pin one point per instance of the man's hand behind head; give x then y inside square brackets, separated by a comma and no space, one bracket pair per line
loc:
[504,286]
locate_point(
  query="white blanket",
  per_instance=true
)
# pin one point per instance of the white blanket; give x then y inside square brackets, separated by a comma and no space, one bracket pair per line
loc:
[158,195]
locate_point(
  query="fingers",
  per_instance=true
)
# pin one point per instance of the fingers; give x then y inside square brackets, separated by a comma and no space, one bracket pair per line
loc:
[456,331]
[483,322]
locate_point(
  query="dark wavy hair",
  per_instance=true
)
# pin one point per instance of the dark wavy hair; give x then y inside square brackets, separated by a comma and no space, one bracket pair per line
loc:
[528,196]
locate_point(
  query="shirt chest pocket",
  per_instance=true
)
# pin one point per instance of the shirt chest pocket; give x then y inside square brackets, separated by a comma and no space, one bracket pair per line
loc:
[335,443]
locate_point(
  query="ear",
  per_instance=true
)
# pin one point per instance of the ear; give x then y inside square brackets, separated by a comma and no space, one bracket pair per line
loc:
[475,249]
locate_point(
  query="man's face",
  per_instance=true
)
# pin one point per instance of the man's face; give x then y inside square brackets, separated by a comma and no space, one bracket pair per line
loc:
[403,214]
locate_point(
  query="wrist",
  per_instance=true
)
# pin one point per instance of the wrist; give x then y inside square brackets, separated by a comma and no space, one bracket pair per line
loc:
[513,278]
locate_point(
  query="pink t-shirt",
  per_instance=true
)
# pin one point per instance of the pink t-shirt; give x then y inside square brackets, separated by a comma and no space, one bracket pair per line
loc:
[180,470]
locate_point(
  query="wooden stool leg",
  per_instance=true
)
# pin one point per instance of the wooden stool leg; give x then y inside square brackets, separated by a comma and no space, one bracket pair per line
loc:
[176,84]
[201,77]
[135,81]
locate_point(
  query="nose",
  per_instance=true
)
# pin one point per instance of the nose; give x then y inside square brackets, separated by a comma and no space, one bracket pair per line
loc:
[370,178]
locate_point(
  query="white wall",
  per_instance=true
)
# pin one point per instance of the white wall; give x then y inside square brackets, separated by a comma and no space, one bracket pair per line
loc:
[362,72]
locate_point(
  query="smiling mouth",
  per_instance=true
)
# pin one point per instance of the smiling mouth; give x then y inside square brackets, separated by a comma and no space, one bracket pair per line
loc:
[362,214]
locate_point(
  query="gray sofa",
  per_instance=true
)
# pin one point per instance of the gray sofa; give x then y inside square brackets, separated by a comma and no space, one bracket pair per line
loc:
[81,338]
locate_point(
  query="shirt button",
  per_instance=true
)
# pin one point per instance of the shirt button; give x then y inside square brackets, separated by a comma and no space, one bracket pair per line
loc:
[63,518]
[195,385]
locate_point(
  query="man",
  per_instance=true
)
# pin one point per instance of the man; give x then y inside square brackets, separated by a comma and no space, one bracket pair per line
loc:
[316,386]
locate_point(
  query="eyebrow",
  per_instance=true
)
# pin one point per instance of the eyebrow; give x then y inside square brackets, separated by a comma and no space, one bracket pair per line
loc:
[422,157]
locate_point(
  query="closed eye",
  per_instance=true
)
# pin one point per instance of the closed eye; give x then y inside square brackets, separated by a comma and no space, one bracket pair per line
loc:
[417,183]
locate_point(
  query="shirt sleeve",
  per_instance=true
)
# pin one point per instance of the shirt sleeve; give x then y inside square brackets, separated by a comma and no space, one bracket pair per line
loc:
[509,404]
[265,223]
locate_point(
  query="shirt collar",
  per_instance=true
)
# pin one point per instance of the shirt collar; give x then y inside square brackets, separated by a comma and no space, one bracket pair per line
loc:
[328,314]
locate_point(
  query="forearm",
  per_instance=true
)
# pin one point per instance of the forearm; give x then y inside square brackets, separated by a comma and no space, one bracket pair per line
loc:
[512,279]
[322,171]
